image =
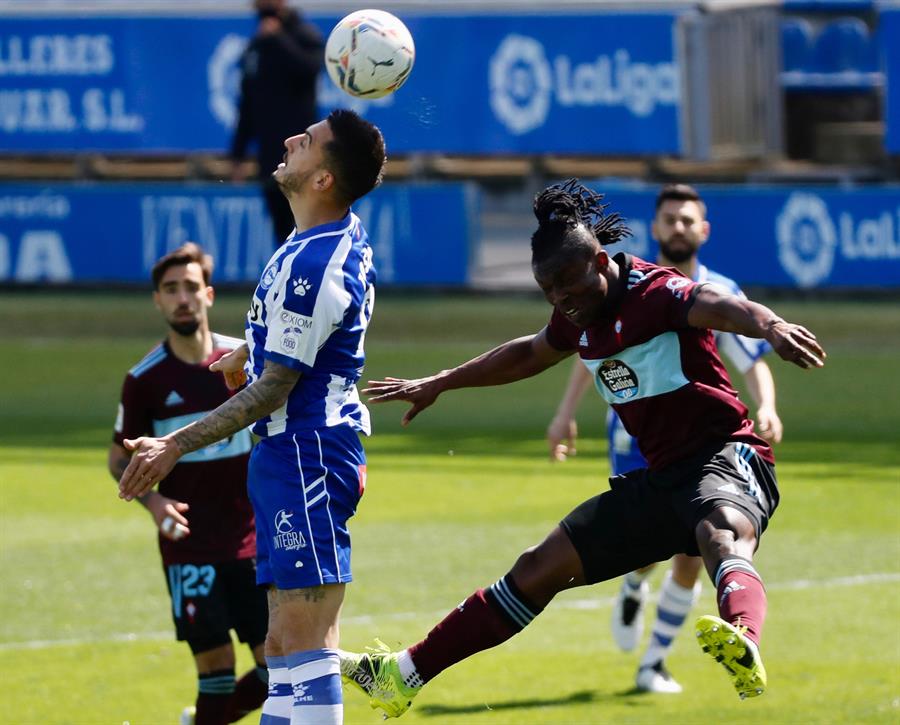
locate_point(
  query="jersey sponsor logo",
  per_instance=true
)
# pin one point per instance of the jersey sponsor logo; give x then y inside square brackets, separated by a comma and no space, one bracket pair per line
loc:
[618,378]
[268,277]
[290,339]
[174,398]
[286,538]
[301,286]
[302,321]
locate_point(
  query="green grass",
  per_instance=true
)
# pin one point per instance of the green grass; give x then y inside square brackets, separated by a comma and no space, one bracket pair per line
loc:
[85,634]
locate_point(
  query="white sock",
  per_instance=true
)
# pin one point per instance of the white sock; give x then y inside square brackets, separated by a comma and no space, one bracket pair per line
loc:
[632,581]
[276,710]
[316,684]
[408,671]
[675,602]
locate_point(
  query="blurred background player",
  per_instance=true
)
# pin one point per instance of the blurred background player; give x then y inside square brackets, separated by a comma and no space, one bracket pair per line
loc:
[304,354]
[680,228]
[205,520]
[279,70]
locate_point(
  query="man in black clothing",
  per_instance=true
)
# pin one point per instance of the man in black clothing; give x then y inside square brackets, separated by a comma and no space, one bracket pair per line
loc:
[279,69]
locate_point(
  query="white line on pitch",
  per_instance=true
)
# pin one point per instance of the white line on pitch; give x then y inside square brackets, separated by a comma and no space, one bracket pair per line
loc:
[365,619]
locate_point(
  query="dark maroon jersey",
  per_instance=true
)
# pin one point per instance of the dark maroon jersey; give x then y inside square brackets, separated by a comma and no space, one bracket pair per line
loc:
[663,377]
[160,395]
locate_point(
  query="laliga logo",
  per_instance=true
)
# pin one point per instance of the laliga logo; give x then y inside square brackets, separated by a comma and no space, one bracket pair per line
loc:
[523,82]
[806,239]
[223,76]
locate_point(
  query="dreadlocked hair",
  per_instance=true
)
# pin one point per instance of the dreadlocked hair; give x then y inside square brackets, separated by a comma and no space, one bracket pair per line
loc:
[561,208]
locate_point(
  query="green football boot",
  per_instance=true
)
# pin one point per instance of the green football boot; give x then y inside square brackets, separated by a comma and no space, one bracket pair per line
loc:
[377,675]
[737,653]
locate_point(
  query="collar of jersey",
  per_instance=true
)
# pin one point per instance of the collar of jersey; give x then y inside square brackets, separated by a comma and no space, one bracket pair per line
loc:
[327,228]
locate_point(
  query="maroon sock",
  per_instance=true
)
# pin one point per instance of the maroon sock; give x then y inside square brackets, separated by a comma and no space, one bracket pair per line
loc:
[741,595]
[487,618]
[215,690]
[250,693]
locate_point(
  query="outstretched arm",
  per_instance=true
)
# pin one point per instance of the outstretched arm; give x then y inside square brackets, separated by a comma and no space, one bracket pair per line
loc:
[563,430]
[153,458]
[514,360]
[716,309]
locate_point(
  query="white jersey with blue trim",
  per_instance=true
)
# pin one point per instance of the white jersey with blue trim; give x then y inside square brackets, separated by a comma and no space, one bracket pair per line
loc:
[310,312]
[742,351]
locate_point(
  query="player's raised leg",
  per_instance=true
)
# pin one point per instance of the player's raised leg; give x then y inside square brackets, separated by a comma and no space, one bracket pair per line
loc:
[727,540]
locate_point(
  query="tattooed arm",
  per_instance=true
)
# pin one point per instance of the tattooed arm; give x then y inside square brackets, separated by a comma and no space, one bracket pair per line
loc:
[153,458]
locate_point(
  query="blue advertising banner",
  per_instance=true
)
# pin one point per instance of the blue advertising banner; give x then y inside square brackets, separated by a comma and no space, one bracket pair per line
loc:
[592,83]
[889,43]
[808,238]
[74,233]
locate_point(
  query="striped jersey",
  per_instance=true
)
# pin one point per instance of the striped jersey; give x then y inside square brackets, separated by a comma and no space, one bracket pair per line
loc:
[310,312]
[663,377]
[163,393]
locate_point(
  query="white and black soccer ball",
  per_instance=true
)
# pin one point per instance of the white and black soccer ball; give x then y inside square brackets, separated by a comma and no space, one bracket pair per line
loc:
[369,54]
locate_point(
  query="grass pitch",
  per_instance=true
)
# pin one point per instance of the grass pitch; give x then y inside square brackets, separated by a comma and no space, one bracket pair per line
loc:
[85,632]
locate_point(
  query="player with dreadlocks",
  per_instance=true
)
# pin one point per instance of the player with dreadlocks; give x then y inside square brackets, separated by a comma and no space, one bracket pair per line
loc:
[709,489]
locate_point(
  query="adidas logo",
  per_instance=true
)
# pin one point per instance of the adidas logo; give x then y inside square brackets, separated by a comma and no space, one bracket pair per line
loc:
[635,277]
[729,589]
[174,399]
[583,342]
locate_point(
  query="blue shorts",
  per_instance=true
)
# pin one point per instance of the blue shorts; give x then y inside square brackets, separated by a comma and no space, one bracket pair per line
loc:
[304,488]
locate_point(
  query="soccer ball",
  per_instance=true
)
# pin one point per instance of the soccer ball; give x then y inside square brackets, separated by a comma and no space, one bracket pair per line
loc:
[369,54]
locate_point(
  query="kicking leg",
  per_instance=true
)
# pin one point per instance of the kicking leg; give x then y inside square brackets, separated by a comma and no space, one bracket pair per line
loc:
[727,541]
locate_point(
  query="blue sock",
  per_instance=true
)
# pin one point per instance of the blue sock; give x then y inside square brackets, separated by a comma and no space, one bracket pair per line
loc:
[316,682]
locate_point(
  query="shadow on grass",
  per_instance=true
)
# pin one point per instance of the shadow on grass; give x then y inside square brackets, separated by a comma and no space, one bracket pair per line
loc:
[583,697]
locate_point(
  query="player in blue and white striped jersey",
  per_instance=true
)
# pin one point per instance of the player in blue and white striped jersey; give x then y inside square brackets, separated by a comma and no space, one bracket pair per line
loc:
[680,228]
[303,356]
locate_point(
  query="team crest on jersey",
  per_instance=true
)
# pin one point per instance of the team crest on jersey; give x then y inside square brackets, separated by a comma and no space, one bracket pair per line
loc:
[618,378]
[268,277]
[286,538]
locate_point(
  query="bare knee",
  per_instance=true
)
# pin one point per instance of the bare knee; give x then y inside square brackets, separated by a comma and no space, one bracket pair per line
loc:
[725,532]
[542,571]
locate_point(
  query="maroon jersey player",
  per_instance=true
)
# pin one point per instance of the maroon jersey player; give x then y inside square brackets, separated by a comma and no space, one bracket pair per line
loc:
[201,510]
[710,487]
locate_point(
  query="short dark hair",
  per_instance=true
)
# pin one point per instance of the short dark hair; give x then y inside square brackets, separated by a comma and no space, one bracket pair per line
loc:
[185,254]
[680,192]
[560,210]
[355,155]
